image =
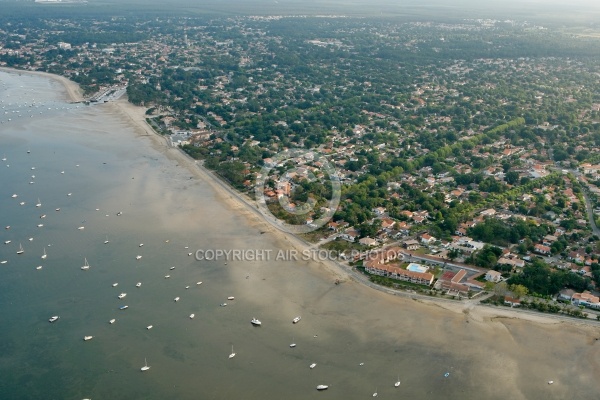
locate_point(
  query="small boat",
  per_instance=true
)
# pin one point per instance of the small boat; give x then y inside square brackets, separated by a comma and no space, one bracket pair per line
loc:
[123,307]
[361,364]
[149,327]
[69,194]
[232,353]
[54,319]
[172,268]
[39,203]
[447,374]
[86,266]
[167,276]
[231,298]
[43,216]
[58,209]
[20,251]
[120,213]
[106,241]
[189,254]
[375,394]
[22,203]
[30,239]
[115,284]
[112,321]
[3,261]
[550,382]
[81,228]
[192,316]
[88,338]
[293,344]
[397,384]
[145,367]
[187,287]
[141,244]
[40,225]
[322,387]
[198,283]
[139,284]
[7,227]
[256,322]
[296,320]
[14,196]
[44,255]
[311,366]
[122,295]
[176,299]
[7,241]
[138,257]
[223,304]
[38,267]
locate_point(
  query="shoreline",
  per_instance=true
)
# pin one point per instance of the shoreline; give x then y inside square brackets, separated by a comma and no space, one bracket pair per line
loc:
[136,117]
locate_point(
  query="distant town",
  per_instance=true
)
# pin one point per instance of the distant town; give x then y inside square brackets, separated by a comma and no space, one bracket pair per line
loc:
[467,151]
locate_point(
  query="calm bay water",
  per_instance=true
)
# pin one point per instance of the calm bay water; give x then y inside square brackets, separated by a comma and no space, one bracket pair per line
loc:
[107,167]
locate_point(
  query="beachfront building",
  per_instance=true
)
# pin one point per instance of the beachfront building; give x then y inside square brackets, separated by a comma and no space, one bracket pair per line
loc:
[586,299]
[395,272]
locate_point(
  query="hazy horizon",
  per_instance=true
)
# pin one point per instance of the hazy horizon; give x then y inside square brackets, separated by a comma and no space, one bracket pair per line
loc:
[555,11]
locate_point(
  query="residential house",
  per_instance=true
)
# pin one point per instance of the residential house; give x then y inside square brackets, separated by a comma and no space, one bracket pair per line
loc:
[427,238]
[511,301]
[493,276]
[541,249]
[367,241]
[411,244]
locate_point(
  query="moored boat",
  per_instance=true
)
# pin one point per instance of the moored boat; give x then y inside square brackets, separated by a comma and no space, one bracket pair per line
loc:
[54,318]
[256,322]
[296,320]
[86,338]
[322,387]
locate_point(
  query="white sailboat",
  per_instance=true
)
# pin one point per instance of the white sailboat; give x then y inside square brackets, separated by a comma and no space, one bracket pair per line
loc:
[145,367]
[232,353]
[375,394]
[44,255]
[106,241]
[86,266]
[20,251]
[39,203]
[293,344]
[397,384]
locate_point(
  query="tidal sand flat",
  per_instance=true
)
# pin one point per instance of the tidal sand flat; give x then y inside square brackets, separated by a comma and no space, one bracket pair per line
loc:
[128,186]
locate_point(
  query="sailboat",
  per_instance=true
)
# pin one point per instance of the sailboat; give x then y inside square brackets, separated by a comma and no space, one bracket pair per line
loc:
[375,394]
[293,344]
[145,367]
[86,266]
[106,241]
[232,353]
[20,251]
[44,255]
[39,203]
[397,384]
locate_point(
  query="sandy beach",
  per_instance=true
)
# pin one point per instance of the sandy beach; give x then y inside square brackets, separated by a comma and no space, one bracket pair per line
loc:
[491,353]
